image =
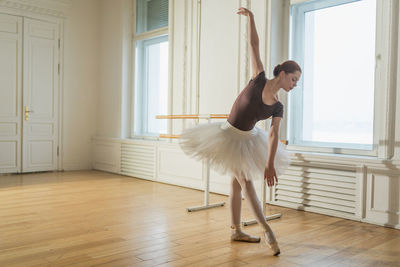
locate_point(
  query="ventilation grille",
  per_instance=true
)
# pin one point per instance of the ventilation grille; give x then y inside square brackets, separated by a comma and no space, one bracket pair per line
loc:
[138,160]
[320,190]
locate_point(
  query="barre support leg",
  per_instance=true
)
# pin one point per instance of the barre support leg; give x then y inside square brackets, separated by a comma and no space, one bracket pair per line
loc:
[206,205]
[263,201]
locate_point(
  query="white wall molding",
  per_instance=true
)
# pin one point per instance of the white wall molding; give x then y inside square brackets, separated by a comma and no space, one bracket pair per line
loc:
[57,8]
[195,74]
[184,94]
[185,59]
[191,58]
[361,187]
[385,77]
[397,114]
[171,44]
[382,199]
[169,167]
[346,162]
[192,37]
[243,53]
[106,154]
[277,46]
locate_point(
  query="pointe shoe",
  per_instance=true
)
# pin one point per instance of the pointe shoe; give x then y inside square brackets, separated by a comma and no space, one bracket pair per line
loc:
[238,235]
[272,245]
[242,237]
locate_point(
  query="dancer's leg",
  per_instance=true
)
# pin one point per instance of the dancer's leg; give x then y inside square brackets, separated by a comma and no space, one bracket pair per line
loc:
[254,204]
[235,201]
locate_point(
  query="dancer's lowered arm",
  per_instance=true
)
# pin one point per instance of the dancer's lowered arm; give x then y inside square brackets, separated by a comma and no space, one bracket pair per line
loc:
[270,173]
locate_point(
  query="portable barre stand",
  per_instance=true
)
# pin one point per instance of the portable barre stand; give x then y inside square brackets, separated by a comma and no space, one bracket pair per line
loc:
[206,165]
[263,201]
[206,168]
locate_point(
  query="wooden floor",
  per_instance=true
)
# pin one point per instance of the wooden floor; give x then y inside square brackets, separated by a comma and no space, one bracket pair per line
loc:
[100,219]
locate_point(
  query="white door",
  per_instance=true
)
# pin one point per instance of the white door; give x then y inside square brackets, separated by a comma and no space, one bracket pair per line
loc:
[40,96]
[10,93]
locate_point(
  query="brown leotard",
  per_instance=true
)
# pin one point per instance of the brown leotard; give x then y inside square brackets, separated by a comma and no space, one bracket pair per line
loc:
[249,108]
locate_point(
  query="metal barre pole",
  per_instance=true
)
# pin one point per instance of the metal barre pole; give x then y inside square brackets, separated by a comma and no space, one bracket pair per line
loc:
[206,169]
[206,165]
[263,201]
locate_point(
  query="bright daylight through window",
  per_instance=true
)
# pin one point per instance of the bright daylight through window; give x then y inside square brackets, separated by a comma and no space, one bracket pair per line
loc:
[333,105]
[151,67]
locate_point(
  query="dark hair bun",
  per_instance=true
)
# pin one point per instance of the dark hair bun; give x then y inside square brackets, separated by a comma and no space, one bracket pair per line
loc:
[277,70]
[288,66]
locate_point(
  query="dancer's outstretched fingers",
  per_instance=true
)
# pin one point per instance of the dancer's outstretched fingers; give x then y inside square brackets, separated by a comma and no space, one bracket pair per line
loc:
[244,11]
[269,175]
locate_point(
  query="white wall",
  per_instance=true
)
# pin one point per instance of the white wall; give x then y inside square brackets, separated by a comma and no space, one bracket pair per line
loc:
[109,102]
[81,82]
[96,77]
[114,80]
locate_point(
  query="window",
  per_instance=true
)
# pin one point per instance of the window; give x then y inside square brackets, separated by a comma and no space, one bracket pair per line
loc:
[333,106]
[151,67]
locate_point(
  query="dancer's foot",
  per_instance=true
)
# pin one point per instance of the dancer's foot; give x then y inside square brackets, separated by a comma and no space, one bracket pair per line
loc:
[272,244]
[238,235]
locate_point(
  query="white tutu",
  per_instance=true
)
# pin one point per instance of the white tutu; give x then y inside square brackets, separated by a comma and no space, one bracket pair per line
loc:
[232,151]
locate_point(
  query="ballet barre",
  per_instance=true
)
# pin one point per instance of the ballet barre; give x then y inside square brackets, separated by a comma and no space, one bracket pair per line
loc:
[176,136]
[208,116]
[206,165]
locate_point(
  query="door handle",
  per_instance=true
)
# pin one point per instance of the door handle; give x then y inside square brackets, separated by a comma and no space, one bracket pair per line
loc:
[27,111]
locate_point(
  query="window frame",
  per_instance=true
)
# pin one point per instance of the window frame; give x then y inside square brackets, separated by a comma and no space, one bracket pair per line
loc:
[295,121]
[161,32]
[143,81]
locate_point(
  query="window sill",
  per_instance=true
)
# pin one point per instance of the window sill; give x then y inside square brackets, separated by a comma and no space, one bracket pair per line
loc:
[145,137]
[342,161]
[150,138]
[333,151]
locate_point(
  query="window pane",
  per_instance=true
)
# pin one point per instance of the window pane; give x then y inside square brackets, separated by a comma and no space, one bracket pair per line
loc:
[157,86]
[151,15]
[151,86]
[339,67]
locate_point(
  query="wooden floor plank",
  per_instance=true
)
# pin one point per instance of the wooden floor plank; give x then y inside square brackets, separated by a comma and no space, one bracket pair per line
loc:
[100,219]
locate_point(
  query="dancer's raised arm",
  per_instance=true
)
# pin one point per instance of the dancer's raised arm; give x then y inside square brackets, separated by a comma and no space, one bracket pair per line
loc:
[256,63]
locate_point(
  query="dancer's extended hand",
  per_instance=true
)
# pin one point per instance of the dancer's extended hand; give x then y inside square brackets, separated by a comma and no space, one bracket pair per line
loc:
[270,176]
[245,12]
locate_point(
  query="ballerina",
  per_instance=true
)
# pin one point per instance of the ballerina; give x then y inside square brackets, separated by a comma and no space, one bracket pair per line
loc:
[238,148]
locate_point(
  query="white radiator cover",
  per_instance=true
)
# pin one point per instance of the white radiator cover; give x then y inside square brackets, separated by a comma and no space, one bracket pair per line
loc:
[316,189]
[138,160]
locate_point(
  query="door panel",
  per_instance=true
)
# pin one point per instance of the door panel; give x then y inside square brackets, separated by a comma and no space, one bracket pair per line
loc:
[10,93]
[40,129]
